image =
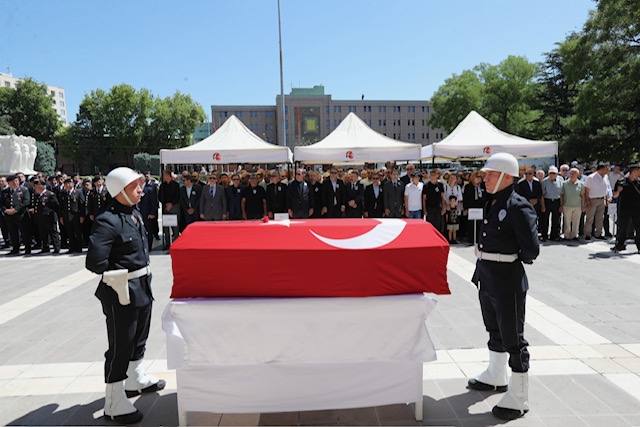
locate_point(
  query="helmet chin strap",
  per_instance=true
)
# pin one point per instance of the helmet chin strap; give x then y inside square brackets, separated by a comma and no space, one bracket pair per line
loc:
[495,189]
[126,196]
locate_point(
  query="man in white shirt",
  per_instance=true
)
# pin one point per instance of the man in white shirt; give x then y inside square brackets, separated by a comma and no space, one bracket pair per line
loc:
[413,197]
[597,196]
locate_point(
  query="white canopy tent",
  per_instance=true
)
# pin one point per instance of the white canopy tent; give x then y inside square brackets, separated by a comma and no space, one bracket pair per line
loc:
[233,142]
[476,138]
[355,142]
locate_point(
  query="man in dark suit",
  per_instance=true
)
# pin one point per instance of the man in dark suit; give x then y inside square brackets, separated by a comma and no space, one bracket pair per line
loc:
[190,194]
[354,196]
[393,196]
[406,179]
[213,202]
[530,189]
[148,207]
[373,198]
[234,198]
[169,196]
[299,197]
[333,196]
[276,195]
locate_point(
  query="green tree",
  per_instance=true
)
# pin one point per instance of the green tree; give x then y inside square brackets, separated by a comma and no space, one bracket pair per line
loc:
[603,60]
[174,119]
[46,158]
[457,97]
[508,94]
[5,117]
[30,110]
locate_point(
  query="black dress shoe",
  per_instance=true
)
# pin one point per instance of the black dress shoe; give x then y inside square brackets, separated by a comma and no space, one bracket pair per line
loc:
[44,251]
[600,237]
[587,237]
[154,387]
[543,239]
[508,414]
[474,384]
[14,252]
[56,251]
[126,419]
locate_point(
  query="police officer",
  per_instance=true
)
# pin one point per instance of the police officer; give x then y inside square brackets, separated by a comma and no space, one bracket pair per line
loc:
[99,198]
[15,204]
[627,190]
[45,211]
[508,238]
[72,204]
[118,250]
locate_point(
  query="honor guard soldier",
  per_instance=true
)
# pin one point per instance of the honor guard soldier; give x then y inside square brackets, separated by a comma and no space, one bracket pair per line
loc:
[72,203]
[627,190]
[119,251]
[99,198]
[508,238]
[15,204]
[45,210]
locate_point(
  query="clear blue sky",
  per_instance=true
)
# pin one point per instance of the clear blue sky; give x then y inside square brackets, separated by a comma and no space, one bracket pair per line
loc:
[226,52]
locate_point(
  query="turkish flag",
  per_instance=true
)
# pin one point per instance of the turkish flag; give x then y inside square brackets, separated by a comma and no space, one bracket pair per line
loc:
[309,258]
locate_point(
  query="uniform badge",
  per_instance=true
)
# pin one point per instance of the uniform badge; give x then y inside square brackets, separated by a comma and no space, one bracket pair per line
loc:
[255,191]
[437,190]
[317,189]
[238,190]
[502,214]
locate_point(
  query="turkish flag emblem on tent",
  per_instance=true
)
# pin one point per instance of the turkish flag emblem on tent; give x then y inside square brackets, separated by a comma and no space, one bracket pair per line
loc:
[217,157]
[486,150]
[349,155]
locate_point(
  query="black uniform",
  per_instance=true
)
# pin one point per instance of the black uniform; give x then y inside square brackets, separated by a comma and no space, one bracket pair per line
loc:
[88,222]
[19,224]
[98,201]
[316,193]
[277,198]
[46,209]
[119,241]
[72,206]
[628,211]
[433,201]
[234,201]
[509,227]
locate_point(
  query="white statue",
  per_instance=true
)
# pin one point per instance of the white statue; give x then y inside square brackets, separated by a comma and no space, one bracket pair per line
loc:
[17,154]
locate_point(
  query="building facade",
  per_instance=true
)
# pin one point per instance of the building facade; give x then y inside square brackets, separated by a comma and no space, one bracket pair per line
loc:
[311,115]
[57,94]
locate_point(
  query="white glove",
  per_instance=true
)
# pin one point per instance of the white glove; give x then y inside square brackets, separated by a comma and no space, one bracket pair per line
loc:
[117,279]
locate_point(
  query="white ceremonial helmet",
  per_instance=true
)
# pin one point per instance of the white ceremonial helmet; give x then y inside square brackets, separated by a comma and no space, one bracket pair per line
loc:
[119,178]
[504,163]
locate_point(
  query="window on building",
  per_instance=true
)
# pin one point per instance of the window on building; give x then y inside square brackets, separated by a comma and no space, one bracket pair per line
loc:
[339,109]
[62,103]
[286,124]
[369,122]
[226,114]
[379,122]
[379,109]
[427,107]
[413,122]
[384,108]
[60,95]
[335,123]
[427,136]
[327,124]
[413,136]
[423,136]
[286,110]
[326,110]
[7,84]
[54,102]
[239,113]
[394,109]
[53,93]
[63,113]
[355,109]
[384,123]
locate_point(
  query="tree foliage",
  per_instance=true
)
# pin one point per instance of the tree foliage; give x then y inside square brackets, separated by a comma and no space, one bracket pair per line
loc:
[112,126]
[502,93]
[29,111]
[46,158]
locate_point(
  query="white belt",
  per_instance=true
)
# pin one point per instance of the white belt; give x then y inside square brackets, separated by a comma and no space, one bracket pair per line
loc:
[144,271]
[487,256]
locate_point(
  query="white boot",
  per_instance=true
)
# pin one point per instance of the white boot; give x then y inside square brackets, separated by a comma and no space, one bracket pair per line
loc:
[117,407]
[494,378]
[515,403]
[139,382]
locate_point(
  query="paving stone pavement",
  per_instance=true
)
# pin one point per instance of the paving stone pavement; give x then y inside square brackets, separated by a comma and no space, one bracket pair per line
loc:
[583,325]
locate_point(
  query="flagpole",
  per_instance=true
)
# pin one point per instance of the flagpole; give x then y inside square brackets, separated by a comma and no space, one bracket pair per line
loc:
[284,140]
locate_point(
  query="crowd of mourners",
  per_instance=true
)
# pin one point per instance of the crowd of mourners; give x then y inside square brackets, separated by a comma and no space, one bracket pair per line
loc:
[573,204]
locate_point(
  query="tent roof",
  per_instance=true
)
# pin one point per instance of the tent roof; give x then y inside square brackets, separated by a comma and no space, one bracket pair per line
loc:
[477,138]
[355,142]
[233,142]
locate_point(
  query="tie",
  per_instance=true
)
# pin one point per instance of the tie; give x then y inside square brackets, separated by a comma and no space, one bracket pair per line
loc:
[353,186]
[395,186]
[212,191]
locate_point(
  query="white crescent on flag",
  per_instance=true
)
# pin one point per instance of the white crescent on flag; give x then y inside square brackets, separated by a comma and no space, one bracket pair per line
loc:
[382,234]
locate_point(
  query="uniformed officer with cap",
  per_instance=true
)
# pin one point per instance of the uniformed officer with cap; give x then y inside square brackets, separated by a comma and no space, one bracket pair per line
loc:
[508,238]
[627,190]
[119,251]
[72,210]
[45,210]
[15,204]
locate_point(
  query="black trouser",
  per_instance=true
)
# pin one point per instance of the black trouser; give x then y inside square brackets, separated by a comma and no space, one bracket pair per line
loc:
[552,209]
[127,331]
[434,217]
[86,230]
[299,214]
[4,229]
[503,316]
[148,224]
[624,218]
[74,232]
[19,226]
[334,212]
[48,228]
